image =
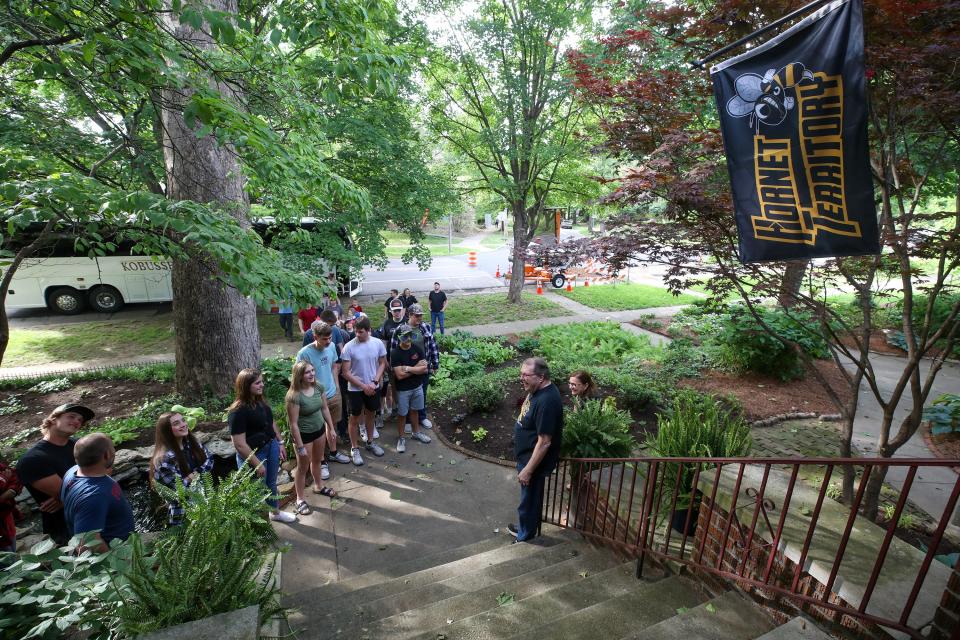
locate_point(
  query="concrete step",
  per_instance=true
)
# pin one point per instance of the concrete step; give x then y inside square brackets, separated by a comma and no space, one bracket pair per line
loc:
[579,562]
[727,617]
[645,605]
[364,608]
[392,571]
[540,609]
[796,629]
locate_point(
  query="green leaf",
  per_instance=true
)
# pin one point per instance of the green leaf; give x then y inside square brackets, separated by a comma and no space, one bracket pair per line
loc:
[710,608]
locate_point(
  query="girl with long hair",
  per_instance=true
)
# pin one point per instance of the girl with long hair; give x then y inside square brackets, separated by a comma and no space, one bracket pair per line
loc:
[582,387]
[309,418]
[256,437]
[178,458]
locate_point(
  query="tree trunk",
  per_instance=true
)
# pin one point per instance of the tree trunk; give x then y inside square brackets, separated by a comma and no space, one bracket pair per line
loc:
[792,280]
[520,241]
[215,325]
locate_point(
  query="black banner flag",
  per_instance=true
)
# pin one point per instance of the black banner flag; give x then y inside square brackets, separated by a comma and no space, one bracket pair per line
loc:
[793,113]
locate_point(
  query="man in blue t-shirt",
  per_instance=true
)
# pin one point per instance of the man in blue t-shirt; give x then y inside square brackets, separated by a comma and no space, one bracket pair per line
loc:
[537,437]
[92,500]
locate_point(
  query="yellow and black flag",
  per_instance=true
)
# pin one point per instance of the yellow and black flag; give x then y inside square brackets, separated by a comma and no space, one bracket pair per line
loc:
[793,114]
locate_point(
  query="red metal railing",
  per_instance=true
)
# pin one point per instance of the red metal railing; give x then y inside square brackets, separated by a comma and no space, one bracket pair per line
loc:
[623,502]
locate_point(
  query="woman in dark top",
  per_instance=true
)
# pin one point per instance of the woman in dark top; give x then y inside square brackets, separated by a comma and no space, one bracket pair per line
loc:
[408,298]
[178,458]
[582,388]
[255,436]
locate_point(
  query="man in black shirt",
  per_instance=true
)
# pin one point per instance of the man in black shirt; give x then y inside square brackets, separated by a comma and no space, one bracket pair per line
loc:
[537,437]
[394,295]
[41,469]
[409,371]
[438,304]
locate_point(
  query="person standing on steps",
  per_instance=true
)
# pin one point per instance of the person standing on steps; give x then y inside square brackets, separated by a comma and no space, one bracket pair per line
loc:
[364,361]
[92,500]
[285,313]
[422,339]
[41,469]
[537,436]
[309,419]
[409,367]
[324,355]
[305,318]
[256,438]
[438,304]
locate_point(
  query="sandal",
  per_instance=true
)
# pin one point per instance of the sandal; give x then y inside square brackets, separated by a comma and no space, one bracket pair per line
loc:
[326,491]
[303,508]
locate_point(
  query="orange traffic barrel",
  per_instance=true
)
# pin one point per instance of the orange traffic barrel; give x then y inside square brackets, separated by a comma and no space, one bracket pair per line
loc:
[472,258]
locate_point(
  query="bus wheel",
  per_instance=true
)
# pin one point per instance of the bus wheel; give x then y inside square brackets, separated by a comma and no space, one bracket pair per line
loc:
[105,299]
[66,300]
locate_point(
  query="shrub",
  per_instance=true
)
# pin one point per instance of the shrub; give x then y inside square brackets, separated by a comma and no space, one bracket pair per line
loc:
[49,386]
[742,344]
[640,390]
[528,344]
[567,347]
[478,434]
[942,307]
[276,371]
[944,415]
[483,394]
[698,425]
[597,430]
[471,348]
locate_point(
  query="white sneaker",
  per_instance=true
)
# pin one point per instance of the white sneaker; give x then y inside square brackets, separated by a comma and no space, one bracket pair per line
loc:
[376,433]
[283,516]
[422,437]
[401,445]
[357,460]
[408,428]
[342,458]
[324,471]
[426,424]
[375,449]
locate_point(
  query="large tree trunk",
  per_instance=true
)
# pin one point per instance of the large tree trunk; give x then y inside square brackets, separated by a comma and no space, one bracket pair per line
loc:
[792,280]
[520,241]
[215,326]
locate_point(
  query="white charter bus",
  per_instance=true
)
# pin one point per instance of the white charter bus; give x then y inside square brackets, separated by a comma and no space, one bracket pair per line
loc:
[68,283]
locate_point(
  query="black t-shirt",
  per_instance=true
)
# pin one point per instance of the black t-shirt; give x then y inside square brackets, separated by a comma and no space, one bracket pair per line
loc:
[256,422]
[541,414]
[408,300]
[400,357]
[387,329]
[42,460]
[437,298]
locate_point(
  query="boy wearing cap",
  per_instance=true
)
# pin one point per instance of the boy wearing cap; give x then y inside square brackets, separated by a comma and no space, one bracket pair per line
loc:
[422,339]
[409,370]
[41,469]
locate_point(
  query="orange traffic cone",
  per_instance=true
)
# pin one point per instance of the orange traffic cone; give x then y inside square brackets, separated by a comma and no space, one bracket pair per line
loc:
[498,272]
[539,287]
[569,286]
[586,282]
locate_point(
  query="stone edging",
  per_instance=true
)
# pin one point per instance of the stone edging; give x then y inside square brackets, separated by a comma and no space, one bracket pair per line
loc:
[471,454]
[783,417]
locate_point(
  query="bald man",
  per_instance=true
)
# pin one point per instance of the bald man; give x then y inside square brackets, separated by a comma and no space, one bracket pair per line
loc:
[92,500]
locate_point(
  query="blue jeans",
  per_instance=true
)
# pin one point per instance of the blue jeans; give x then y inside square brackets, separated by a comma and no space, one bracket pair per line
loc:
[531,504]
[269,455]
[434,317]
[286,323]
[423,412]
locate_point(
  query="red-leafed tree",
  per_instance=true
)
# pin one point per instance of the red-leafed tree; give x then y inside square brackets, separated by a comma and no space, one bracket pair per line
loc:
[660,120]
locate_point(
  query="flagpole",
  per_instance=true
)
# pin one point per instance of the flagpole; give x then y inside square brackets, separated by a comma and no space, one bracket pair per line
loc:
[759,32]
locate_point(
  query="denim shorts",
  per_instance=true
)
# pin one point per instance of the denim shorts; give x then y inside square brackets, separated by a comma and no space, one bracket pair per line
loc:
[407,400]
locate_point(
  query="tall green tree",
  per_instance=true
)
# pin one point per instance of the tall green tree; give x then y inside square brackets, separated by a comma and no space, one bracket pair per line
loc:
[502,100]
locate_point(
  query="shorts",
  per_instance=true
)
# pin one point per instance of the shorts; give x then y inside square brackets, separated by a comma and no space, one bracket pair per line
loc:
[360,401]
[307,438]
[335,404]
[411,399]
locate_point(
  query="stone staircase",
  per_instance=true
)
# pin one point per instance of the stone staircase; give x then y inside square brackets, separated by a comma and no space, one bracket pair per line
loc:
[558,588]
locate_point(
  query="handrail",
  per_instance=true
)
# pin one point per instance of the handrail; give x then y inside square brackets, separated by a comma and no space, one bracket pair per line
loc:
[643,505]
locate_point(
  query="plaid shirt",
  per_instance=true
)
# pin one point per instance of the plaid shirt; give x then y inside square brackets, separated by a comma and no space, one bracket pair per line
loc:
[430,350]
[168,473]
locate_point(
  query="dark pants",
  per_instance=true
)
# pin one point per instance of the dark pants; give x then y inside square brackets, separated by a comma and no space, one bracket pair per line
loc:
[286,323]
[423,412]
[531,504]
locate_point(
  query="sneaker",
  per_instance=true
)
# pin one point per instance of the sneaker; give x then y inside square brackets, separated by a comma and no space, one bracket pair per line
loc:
[336,456]
[408,428]
[324,471]
[363,432]
[357,460]
[377,423]
[512,530]
[422,437]
[401,445]
[375,449]
[426,424]
[283,516]
[376,433]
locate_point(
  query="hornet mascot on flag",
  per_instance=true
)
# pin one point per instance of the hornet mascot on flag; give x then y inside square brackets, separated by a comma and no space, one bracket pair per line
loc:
[764,98]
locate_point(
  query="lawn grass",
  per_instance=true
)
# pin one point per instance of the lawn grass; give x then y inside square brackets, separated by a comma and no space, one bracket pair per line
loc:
[494,240]
[395,251]
[492,308]
[397,238]
[121,339]
[625,296]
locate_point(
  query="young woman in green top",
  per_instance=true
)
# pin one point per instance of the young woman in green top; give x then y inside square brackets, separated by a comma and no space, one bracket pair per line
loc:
[308,417]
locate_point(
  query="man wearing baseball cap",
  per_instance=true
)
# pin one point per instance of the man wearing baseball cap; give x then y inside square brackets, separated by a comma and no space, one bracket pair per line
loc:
[409,369]
[422,339]
[41,469]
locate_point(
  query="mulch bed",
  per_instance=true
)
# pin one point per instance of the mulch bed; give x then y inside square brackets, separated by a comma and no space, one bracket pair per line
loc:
[942,446]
